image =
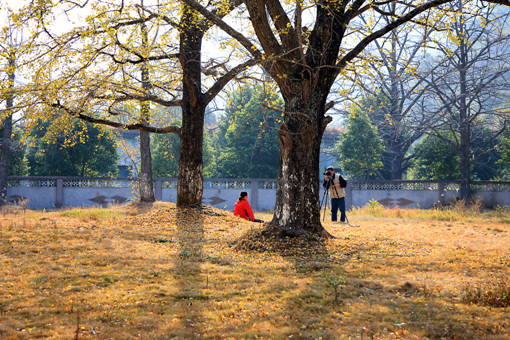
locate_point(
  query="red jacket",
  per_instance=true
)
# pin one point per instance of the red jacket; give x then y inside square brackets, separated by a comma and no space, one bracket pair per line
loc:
[243,209]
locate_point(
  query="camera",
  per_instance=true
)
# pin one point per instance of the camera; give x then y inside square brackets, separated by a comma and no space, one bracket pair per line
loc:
[327,173]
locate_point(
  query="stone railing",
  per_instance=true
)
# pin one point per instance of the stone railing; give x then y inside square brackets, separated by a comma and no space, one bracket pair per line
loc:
[54,192]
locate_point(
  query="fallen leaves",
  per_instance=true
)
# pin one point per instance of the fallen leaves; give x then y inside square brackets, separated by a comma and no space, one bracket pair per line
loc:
[202,273]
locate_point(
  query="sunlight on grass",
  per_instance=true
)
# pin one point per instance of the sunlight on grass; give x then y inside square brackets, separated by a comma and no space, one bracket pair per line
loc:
[457,212]
[159,272]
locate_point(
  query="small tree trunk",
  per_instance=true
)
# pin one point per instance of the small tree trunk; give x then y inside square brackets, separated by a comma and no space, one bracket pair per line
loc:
[146,183]
[396,162]
[465,178]
[6,154]
[464,123]
[6,138]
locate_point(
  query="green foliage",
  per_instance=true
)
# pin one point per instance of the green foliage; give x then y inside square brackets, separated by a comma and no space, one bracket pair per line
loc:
[165,155]
[486,167]
[247,141]
[165,150]
[435,160]
[18,164]
[337,283]
[360,147]
[80,150]
[504,154]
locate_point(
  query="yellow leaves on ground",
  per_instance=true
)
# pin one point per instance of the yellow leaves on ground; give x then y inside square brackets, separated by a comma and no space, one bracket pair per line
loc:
[159,272]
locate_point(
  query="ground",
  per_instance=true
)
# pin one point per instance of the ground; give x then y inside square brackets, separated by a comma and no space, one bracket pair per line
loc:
[159,272]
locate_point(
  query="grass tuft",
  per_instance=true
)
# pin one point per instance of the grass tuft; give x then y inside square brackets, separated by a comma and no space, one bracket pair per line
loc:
[494,293]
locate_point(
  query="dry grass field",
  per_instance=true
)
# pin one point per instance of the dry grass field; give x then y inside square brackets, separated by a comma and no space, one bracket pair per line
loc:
[158,272]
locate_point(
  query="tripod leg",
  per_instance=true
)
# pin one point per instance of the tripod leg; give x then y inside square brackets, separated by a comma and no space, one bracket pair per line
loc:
[325,200]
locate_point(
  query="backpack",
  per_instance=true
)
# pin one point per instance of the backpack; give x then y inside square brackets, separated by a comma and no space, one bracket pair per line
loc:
[343,182]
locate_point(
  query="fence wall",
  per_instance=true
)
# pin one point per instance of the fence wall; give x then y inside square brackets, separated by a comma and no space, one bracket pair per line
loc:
[56,192]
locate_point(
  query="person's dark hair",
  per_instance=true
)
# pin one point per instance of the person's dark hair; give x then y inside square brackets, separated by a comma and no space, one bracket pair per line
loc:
[242,195]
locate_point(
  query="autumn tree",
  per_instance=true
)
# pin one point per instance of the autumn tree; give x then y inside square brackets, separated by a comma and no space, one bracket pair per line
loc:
[10,47]
[390,78]
[104,76]
[305,57]
[468,92]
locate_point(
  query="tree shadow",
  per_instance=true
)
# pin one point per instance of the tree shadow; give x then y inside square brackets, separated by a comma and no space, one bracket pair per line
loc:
[335,301]
[190,281]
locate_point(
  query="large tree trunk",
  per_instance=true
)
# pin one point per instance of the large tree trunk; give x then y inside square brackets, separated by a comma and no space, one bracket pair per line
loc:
[297,209]
[6,138]
[190,179]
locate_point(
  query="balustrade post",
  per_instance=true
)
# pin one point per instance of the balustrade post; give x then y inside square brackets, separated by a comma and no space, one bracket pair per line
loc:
[60,193]
[254,195]
[158,188]
[442,192]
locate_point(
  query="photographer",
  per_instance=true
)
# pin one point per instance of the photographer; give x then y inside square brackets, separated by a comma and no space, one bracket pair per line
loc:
[336,192]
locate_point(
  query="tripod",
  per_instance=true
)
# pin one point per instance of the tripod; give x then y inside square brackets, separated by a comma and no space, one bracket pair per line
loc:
[325,198]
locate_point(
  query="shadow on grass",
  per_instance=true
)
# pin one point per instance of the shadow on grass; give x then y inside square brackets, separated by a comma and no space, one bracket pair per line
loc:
[336,301]
[188,301]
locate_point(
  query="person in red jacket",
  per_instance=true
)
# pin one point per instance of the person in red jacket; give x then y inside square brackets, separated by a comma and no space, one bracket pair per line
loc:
[243,208]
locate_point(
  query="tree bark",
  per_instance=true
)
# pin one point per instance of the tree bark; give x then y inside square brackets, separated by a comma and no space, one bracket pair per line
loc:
[297,208]
[464,121]
[190,179]
[6,154]
[146,183]
[7,132]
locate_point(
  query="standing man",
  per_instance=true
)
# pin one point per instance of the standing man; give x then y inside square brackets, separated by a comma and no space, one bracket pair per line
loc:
[336,192]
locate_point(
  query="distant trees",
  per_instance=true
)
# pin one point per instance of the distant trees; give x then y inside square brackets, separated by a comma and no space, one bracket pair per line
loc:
[450,86]
[18,165]
[247,139]
[165,155]
[360,148]
[467,99]
[435,160]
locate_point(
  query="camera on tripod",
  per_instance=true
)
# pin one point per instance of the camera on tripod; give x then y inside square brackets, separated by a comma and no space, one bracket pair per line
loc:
[327,173]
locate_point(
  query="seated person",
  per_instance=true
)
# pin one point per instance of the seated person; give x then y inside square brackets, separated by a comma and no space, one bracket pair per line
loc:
[243,208]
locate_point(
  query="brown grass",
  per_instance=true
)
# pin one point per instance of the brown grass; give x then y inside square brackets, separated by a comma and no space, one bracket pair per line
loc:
[158,272]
